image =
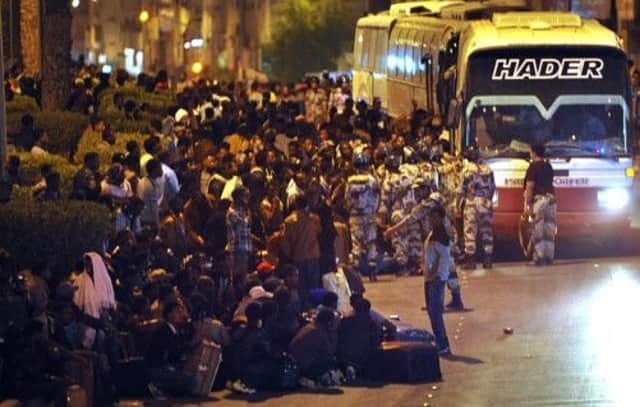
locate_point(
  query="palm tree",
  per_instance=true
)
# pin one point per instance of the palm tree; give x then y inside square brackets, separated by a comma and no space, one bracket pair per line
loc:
[30,36]
[56,58]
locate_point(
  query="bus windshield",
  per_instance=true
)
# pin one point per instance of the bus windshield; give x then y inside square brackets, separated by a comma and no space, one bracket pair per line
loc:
[578,125]
[574,101]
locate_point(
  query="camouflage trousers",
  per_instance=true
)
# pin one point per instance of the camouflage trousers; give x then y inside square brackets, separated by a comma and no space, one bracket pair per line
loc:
[544,232]
[364,251]
[478,223]
[407,243]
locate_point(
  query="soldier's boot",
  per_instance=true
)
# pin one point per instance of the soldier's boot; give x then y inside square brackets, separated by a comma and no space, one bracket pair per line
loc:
[487,264]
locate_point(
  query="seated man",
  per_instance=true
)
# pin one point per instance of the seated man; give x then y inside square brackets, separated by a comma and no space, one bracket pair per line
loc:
[358,337]
[314,350]
[253,361]
[165,355]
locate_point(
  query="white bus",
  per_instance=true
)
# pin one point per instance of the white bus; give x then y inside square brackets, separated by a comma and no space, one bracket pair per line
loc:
[505,80]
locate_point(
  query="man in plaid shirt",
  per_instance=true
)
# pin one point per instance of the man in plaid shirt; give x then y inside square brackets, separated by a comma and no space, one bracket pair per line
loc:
[238,221]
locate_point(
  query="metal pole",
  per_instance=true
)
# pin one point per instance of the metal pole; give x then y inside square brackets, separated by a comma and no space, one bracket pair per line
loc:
[3,111]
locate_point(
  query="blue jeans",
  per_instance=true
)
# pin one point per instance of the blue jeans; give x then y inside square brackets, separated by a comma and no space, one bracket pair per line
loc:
[309,279]
[435,306]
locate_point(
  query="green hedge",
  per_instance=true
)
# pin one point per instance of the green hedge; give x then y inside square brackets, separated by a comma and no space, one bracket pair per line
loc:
[30,170]
[64,128]
[92,142]
[58,232]
[158,102]
[22,104]
[120,124]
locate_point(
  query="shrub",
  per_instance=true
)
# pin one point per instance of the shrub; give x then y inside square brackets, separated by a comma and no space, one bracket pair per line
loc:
[91,141]
[64,128]
[120,124]
[57,232]
[30,170]
[158,102]
[22,104]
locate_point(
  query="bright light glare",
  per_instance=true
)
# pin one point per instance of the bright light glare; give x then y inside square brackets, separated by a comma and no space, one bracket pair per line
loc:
[197,68]
[614,337]
[197,43]
[613,198]
[144,16]
[75,3]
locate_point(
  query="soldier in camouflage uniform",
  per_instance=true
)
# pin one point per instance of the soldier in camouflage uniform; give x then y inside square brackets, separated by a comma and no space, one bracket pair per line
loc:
[362,198]
[396,201]
[476,195]
[449,177]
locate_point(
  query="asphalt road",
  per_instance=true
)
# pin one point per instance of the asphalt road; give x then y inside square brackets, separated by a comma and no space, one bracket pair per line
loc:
[575,341]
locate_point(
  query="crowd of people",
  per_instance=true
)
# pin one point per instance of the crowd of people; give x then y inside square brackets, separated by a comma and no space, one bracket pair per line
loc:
[247,217]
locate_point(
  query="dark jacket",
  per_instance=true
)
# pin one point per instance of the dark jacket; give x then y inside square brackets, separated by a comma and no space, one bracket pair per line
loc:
[86,185]
[166,349]
[312,346]
[358,337]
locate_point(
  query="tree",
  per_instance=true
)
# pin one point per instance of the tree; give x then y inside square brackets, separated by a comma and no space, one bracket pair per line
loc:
[310,35]
[56,58]
[30,36]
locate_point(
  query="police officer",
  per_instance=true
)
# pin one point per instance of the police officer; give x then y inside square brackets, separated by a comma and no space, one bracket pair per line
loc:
[362,198]
[540,206]
[475,201]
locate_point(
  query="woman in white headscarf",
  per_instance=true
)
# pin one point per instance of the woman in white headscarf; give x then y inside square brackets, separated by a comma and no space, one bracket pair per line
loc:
[95,295]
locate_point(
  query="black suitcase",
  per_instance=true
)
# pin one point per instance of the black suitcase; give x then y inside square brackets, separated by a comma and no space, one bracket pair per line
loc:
[406,332]
[406,362]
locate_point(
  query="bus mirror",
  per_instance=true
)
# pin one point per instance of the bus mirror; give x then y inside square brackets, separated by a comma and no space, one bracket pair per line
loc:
[453,113]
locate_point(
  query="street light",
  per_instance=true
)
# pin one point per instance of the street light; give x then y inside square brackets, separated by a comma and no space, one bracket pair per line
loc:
[197,68]
[144,16]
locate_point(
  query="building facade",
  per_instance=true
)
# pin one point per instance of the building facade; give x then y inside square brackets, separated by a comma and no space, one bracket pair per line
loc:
[224,36]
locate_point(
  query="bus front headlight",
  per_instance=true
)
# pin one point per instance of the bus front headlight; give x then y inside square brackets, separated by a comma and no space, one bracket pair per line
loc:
[613,198]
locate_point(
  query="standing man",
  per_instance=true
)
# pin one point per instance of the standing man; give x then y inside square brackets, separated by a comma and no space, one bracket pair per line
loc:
[150,192]
[476,194]
[300,244]
[421,214]
[438,263]
[238,221]
[362,198]
[540,206]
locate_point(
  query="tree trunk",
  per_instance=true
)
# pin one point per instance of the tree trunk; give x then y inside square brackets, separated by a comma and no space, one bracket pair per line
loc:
[56,62]
[30,37]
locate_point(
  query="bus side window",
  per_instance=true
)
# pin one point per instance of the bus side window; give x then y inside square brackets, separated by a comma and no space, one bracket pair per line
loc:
[367,37]
[381,50]
[415,73]
[420,49]
[392,56]
[357,48]
[373,41]
[401,67]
